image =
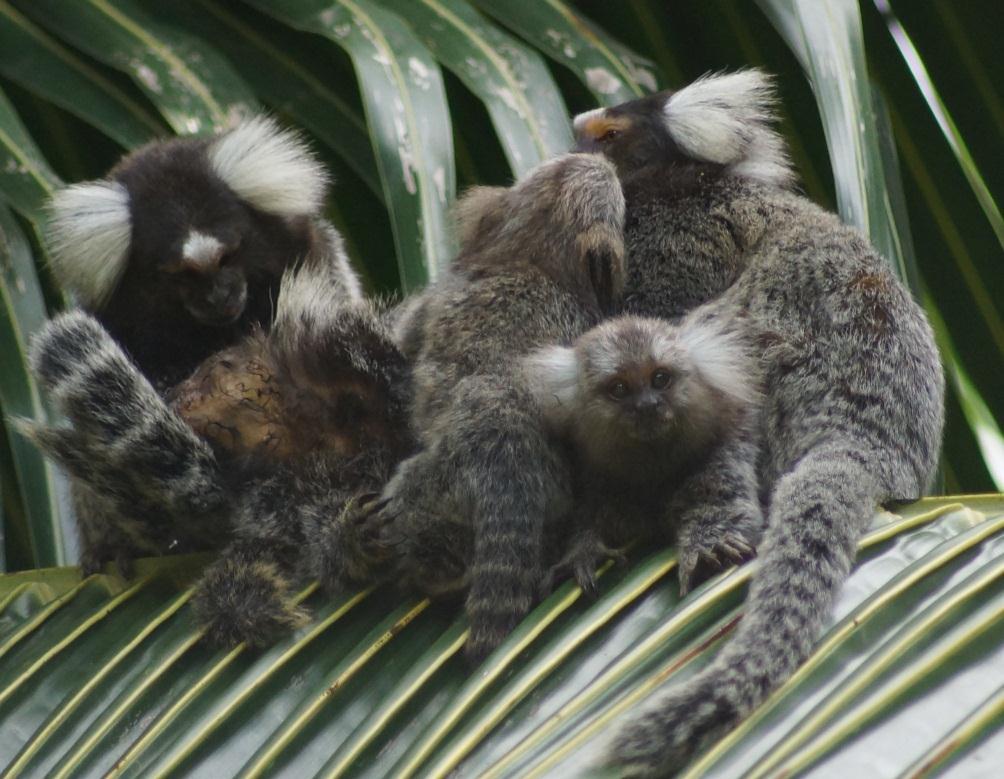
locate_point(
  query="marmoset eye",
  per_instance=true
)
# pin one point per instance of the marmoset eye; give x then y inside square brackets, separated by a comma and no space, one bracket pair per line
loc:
[618,390]
[661,379]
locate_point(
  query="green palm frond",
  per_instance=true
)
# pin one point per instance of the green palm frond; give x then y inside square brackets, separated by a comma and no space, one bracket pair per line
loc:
[377,686]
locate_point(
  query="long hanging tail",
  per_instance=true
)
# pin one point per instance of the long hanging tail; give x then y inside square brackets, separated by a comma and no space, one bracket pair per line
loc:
[818,512]
[123,441]
[514,481]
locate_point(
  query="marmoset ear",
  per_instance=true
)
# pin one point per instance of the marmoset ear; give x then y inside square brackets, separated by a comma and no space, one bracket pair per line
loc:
[727,118]
[88,236]
[723,355]
[552,374]
[271,168]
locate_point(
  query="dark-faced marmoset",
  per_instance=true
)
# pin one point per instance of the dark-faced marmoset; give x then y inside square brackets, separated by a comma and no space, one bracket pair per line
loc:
[178,252]
[853,400]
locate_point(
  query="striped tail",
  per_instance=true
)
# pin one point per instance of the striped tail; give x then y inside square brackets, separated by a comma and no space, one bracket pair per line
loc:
[123,443]
[514,482]
[818,512]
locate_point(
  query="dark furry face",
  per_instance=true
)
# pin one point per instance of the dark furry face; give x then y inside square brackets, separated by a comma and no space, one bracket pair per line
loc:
[194,241]
[632,135]
[640,398]
[215,298]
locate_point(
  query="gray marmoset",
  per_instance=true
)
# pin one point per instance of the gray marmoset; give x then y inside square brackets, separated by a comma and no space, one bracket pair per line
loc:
[645,403]
[179,251]
[854,391]
[540,262]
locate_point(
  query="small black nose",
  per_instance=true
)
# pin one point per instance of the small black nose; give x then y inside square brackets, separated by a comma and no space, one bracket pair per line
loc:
[646,404]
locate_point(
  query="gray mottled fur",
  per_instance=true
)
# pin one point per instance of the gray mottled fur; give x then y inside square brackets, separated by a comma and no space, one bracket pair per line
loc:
[853,410]
[143,481]
[539,262]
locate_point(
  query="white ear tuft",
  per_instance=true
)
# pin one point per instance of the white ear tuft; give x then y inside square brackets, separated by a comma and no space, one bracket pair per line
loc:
[312,295]
[271,168]
[722,355]
[726,118]
[88,235]
[552,375]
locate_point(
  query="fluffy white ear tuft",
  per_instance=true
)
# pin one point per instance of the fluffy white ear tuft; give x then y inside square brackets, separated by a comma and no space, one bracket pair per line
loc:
[581,120]
[313,295]
[726,118]
[271,168]
[552,374]
[88,235]
[723,357]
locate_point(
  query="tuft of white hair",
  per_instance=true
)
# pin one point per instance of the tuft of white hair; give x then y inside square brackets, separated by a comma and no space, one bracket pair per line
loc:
[727,118]
[88,234]
[201,249]
[271,168]
[552,375]
[312,295]
[341,268]
[722,355]
[580,120]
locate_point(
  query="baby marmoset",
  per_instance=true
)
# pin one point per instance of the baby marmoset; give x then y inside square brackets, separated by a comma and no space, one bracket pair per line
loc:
[853,394]
[326,377]
[644,403]
[539,262]
[305,420]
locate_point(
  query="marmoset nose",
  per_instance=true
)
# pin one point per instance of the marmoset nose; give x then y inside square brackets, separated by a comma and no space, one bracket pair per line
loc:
[647,403]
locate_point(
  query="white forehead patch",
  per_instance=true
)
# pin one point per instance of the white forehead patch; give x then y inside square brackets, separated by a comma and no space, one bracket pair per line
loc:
[88,234]
[580,121]
[201,249]
[271,168]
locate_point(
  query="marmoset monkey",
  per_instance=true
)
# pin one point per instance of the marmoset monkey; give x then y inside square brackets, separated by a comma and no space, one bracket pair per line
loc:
[179,251]
[644,404]
[539,262]
[326,377]
[179,254]
[853,408]
[306,420]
